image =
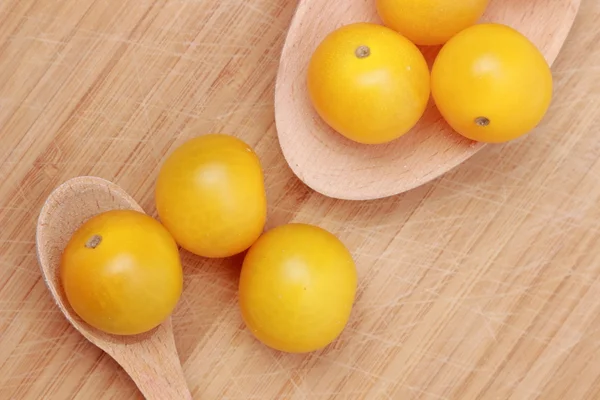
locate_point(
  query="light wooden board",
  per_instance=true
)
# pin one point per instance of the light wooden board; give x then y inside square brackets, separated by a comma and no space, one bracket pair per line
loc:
[483,284]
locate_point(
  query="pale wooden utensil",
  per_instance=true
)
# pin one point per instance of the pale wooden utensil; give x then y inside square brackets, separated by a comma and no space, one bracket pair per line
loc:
[337,167]
[150,359]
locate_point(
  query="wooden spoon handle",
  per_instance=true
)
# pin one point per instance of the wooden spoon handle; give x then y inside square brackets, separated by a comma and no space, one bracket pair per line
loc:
[154,365]
[159,379]
[160,387]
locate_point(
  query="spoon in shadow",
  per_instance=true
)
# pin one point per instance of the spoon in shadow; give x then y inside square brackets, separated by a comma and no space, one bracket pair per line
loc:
[336,167]
[151,358]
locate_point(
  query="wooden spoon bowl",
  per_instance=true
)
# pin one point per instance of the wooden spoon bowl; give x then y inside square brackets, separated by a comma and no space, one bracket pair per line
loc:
[340,168]
[151,358]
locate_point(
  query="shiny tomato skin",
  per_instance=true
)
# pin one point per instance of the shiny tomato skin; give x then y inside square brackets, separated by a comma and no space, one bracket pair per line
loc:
[210,195]
[368,83]
[430,22]
[121,272]
[297,288]
[491,83]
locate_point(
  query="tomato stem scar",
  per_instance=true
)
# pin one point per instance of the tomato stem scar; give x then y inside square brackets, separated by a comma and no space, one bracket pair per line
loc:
[482,121]
[93,242]
[362,51]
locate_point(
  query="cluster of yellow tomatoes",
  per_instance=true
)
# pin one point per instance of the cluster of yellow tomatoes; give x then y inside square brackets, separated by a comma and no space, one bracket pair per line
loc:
[371,83]
[121,270]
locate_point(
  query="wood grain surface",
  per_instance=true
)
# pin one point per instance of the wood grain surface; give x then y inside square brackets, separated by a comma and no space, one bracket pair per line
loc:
[482,284]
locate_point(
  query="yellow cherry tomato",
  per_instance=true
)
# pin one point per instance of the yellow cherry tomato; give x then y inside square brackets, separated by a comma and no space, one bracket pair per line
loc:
[430,22]
[297,288]
[368,83]
[210,195]
[121,272]
[491,84]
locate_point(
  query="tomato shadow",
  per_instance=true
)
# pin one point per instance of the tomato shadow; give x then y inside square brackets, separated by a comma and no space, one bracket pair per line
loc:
[430,53]
[227,267]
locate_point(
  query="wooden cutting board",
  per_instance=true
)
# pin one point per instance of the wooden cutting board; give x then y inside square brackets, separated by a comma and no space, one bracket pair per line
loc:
[484,284]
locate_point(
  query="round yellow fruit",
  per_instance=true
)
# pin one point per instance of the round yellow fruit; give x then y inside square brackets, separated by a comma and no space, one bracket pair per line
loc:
[297,288]
[121,272]
[368,83]
[210,195]
[491,84]
[430,22]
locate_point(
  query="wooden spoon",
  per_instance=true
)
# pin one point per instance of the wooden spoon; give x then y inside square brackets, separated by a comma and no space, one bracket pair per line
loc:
[151,358]
[339,168]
